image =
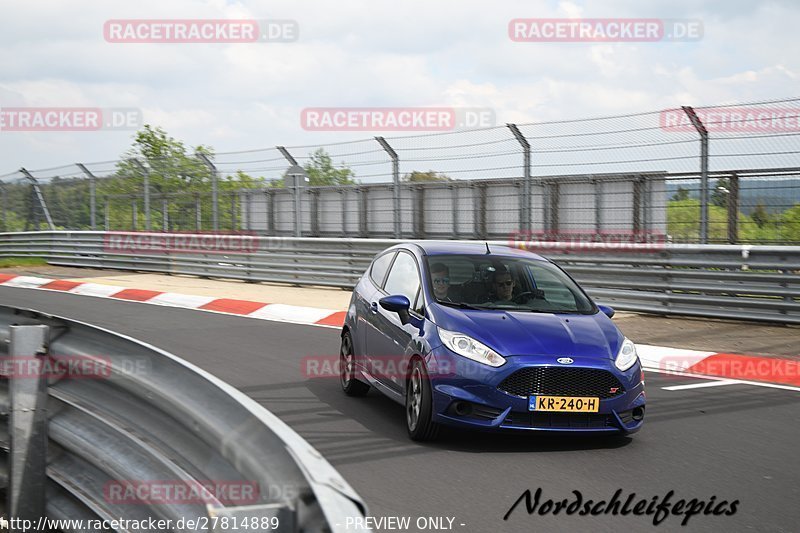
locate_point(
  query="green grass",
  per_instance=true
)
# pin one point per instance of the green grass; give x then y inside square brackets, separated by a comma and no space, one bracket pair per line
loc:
[8,262]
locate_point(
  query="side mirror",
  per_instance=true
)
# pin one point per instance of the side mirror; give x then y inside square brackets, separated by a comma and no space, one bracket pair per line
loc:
[397,303]
[608,311]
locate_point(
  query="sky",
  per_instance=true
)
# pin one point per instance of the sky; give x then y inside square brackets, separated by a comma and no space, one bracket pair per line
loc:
[444,53]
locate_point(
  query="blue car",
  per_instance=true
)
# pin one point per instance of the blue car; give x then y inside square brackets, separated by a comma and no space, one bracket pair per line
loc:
[488,337]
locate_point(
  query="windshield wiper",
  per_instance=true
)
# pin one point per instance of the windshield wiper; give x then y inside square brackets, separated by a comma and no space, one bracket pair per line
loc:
[460,305]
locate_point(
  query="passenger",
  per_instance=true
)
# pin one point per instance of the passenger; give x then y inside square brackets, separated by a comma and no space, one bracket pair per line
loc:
[440,276]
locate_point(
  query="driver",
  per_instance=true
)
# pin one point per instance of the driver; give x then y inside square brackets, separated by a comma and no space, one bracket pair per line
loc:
[503,284]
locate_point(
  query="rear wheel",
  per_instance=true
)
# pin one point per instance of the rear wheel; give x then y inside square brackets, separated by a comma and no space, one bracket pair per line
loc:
[347,374]
[419,405]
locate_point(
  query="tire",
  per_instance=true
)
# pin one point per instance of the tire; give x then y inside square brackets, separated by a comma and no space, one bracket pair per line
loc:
[350,385]
[419,405]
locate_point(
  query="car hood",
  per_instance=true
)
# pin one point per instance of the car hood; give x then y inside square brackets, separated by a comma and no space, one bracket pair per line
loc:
[524,333]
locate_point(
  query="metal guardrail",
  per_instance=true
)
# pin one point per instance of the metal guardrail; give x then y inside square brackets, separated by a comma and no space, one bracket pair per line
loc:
[85,412]
[720,281]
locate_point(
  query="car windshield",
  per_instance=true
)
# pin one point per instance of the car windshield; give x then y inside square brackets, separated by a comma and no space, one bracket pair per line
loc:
[509,283]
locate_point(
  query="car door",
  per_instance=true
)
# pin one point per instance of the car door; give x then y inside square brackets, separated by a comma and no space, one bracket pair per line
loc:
[389,338]
[368,290]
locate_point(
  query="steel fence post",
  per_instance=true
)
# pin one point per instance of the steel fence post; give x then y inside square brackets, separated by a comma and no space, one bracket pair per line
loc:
[294,166]
[248,207]
[525,205]
[234,220]
[637,206]
[646,206]
[454,203]
[733,209]
[298,213]
[28,423]
[165,214]
[343,192]
[475,209]
[598,209]
[106,215]
[363,218]
[419,213]
[270,212]
[198,213]
[146,190]
[297,178]
[395,184]
[134,214]
[482,214]
[39,197]
[289,157]
[92,195]
[703,132]
[5,206]
[214,189]
[314,211]
[552,202]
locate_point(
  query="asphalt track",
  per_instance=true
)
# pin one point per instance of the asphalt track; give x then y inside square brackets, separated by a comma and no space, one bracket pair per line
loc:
[734,442]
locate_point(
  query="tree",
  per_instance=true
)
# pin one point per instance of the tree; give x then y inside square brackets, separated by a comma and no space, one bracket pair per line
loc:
[171,168]
[680,195]
[176,177]
[719,196]
[321,171]
[683,220]
[416,176]
[790,224]
[760,215]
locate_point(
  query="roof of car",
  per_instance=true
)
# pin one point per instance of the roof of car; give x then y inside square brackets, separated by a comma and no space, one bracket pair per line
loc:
[472,248]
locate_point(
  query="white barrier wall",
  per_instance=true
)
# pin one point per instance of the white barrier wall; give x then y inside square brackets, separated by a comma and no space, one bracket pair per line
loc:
[464,209]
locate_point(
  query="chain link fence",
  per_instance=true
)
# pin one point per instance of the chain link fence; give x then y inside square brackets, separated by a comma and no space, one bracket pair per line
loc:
[716,174]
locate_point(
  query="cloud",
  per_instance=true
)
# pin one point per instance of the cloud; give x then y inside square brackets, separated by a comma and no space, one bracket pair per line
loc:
[414,53]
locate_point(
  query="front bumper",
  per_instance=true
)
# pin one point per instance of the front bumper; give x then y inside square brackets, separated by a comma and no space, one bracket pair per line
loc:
[466,394]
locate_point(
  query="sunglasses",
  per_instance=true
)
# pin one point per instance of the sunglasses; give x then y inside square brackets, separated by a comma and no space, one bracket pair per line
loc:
[507,283]
[443,281]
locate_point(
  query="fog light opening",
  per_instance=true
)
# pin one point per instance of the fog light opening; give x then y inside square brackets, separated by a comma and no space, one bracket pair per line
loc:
[638,414]
[463,408]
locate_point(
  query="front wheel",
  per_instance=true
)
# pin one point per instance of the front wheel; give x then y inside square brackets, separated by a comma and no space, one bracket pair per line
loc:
[419,404]
[347,373]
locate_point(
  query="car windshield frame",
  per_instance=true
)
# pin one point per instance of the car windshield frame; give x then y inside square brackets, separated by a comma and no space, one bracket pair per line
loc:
[533,276]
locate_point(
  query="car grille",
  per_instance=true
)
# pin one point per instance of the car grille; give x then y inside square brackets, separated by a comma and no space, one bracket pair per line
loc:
[559,381]
[559,420]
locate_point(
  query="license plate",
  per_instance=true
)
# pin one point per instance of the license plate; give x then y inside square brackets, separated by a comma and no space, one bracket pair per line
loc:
[564,404]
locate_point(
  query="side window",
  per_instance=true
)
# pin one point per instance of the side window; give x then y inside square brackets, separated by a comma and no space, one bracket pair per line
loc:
[554,289]
[404,277]
[379,268]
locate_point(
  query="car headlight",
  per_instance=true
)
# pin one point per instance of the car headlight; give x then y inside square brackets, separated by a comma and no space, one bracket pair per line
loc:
[468,347]
[627,355]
